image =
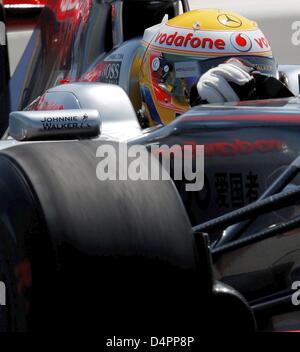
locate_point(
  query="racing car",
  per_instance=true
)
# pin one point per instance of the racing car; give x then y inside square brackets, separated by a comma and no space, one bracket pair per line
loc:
[135,254]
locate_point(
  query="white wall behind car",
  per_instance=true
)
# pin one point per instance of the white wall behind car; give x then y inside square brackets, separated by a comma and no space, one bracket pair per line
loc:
[17,42]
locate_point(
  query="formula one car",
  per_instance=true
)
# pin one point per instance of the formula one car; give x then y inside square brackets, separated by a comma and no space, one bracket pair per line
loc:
[134,255]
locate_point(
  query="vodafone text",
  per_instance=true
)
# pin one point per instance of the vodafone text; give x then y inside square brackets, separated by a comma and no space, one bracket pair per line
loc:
[190,40]
[194,41]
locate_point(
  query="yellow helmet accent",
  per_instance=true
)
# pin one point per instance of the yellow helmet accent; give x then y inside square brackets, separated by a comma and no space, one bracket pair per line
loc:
[212,19]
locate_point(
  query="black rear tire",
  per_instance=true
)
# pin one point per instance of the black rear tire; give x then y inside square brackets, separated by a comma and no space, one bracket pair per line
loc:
[103,255]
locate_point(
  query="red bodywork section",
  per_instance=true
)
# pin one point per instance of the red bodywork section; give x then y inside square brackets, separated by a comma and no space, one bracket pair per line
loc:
[23,15]
[19,3]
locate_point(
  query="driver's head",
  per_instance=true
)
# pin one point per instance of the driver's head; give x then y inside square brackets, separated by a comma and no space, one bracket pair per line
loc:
[180,50]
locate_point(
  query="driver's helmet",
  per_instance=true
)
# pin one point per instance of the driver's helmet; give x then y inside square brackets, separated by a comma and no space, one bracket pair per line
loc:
[177,52]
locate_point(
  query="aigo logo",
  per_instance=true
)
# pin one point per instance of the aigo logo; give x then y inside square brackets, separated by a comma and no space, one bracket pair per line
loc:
[241,42]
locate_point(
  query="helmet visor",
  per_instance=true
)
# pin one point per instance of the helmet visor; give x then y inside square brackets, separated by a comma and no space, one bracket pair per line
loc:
[182,75]
[265,65]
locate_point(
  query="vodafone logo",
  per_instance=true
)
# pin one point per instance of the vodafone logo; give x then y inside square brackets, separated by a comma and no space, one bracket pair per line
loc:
[189,40]
[241,42]
[204,41]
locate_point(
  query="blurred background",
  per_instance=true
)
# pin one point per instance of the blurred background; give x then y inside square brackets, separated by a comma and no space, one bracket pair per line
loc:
[278,19]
